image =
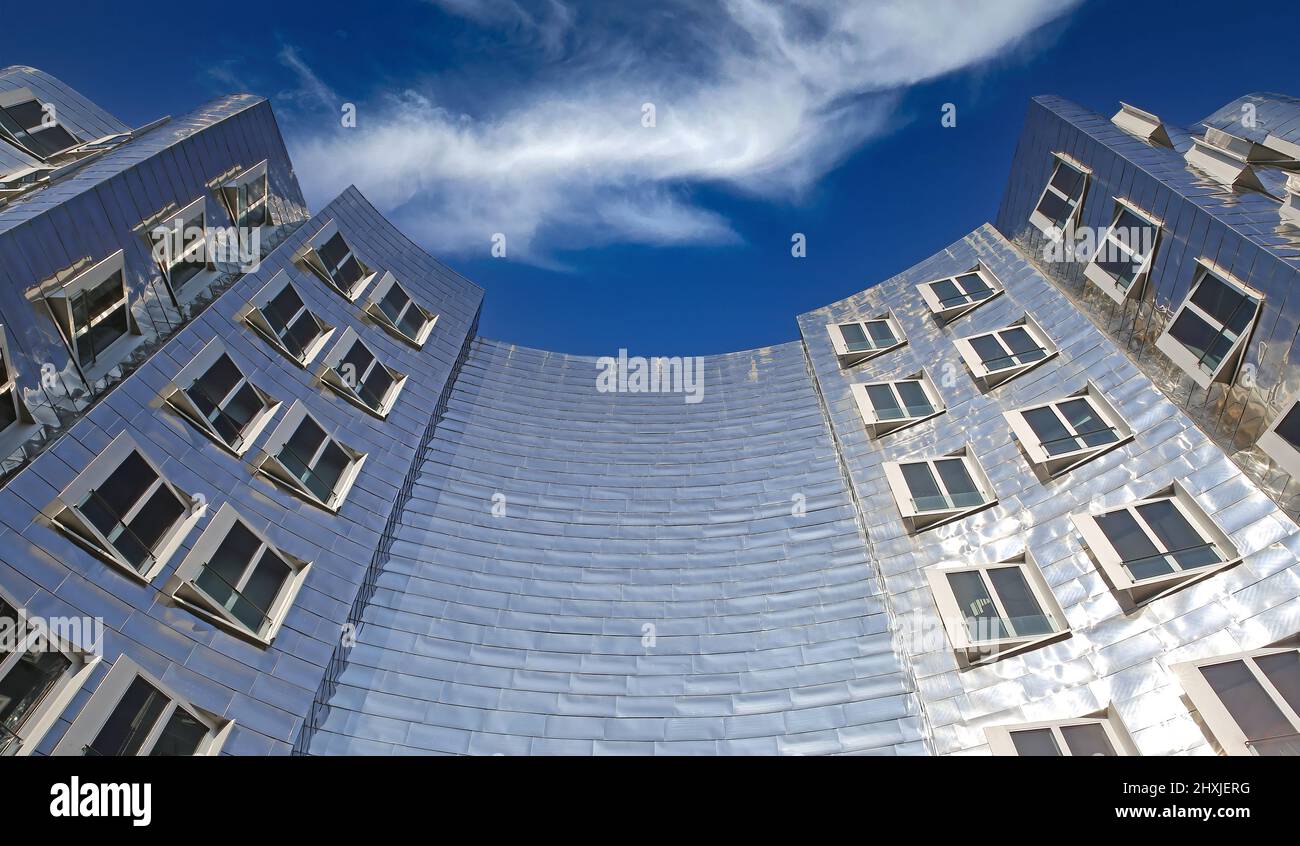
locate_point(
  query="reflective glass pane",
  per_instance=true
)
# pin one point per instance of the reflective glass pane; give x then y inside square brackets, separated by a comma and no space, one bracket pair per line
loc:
[1246,701]
[1289,428]
[1025,616]
[181,736]
[1087,740]
[1180,538]
[1035,743]
[127,728]
[983,622]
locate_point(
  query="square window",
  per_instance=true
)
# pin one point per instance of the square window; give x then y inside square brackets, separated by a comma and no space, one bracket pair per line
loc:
[890,406]
[356,374]
[280,315]
[1281,441]
[1102,735]
[1157,545]
[39,675]
[862,340]
[93,313]
[122,509]
[132,713]
[995,610]
[1060,435]
[302,456]
[1062,198]
[238,579]
[213,394]
[1249,702]
[180,247]
[330,257]
[25,122]
[403,318]
[1122,263]
[245,198]
[954,296]
[998,356]
[1208,333]
[933,491]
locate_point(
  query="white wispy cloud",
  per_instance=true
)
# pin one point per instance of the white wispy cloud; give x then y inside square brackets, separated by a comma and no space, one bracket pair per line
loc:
[757,96]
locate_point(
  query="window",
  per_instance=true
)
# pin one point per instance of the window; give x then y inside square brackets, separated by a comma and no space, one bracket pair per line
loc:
[38,676]
[245,198]
[1209,331]
[1249,702]
[180,247]
[995,610]
[279,315]
[13,411]
[94,315]
[889,406]
[402,317]
[1097,736]
[995,357]
[123,510]
[1060,435]
[237,578]
[351,369]
[132,713]
[331,258]
[27,123]
[1059,205]
[1156,545]
[1281,442]
[860,341]
[933,491]
[303,457]
[1123,259]
[213,393]
[954,296]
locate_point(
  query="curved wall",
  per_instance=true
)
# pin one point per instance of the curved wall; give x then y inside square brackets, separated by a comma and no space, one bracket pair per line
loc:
[525,629]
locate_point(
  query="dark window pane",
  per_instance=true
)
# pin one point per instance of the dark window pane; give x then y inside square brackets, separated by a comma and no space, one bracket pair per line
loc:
[393,302]
[975,286]
[181,736]
[1022,345]
[1087,740]
[1283,671]
[127,728]
[1093,431]
[1138,554]
[8,409]
[1180,538]
[412,323]
[1025,616]
[956,478]
[264,586]
[916,403]
[881,334]
[300,335]
[1055,209]
[991,352]
[324,478]
[375,387]
[333,251]
[884,402]
[1223,302]
[948,294]
[1052,435]
[1289,428]
[1067,180]
[983,623]
[26,684]
[1035,743]
[925,492]
[1249,705]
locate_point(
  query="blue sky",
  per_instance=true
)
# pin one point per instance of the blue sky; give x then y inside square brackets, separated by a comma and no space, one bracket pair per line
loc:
[524,117]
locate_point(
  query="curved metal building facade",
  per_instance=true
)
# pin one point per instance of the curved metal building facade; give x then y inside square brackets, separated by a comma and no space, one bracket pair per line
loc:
[422,541]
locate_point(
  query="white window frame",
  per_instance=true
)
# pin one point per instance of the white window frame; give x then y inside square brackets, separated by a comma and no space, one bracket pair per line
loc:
[1040,220]
[59,301]
[174,394]
[252,174]
[164,235]
[989,379]
[1141,591]
[253,316]
[377,294]
[1110,243]
[878,427]
[10,393]
[850,358]
[1051,466]
[65,515]
[1001,742]
[1278,448]
[948,313]
[183,588]
[268,463]
[918,521]
[104,701]
[972,653]
[327,372]
[1223,728]
[309,256]
[82,662]
[1182,356]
